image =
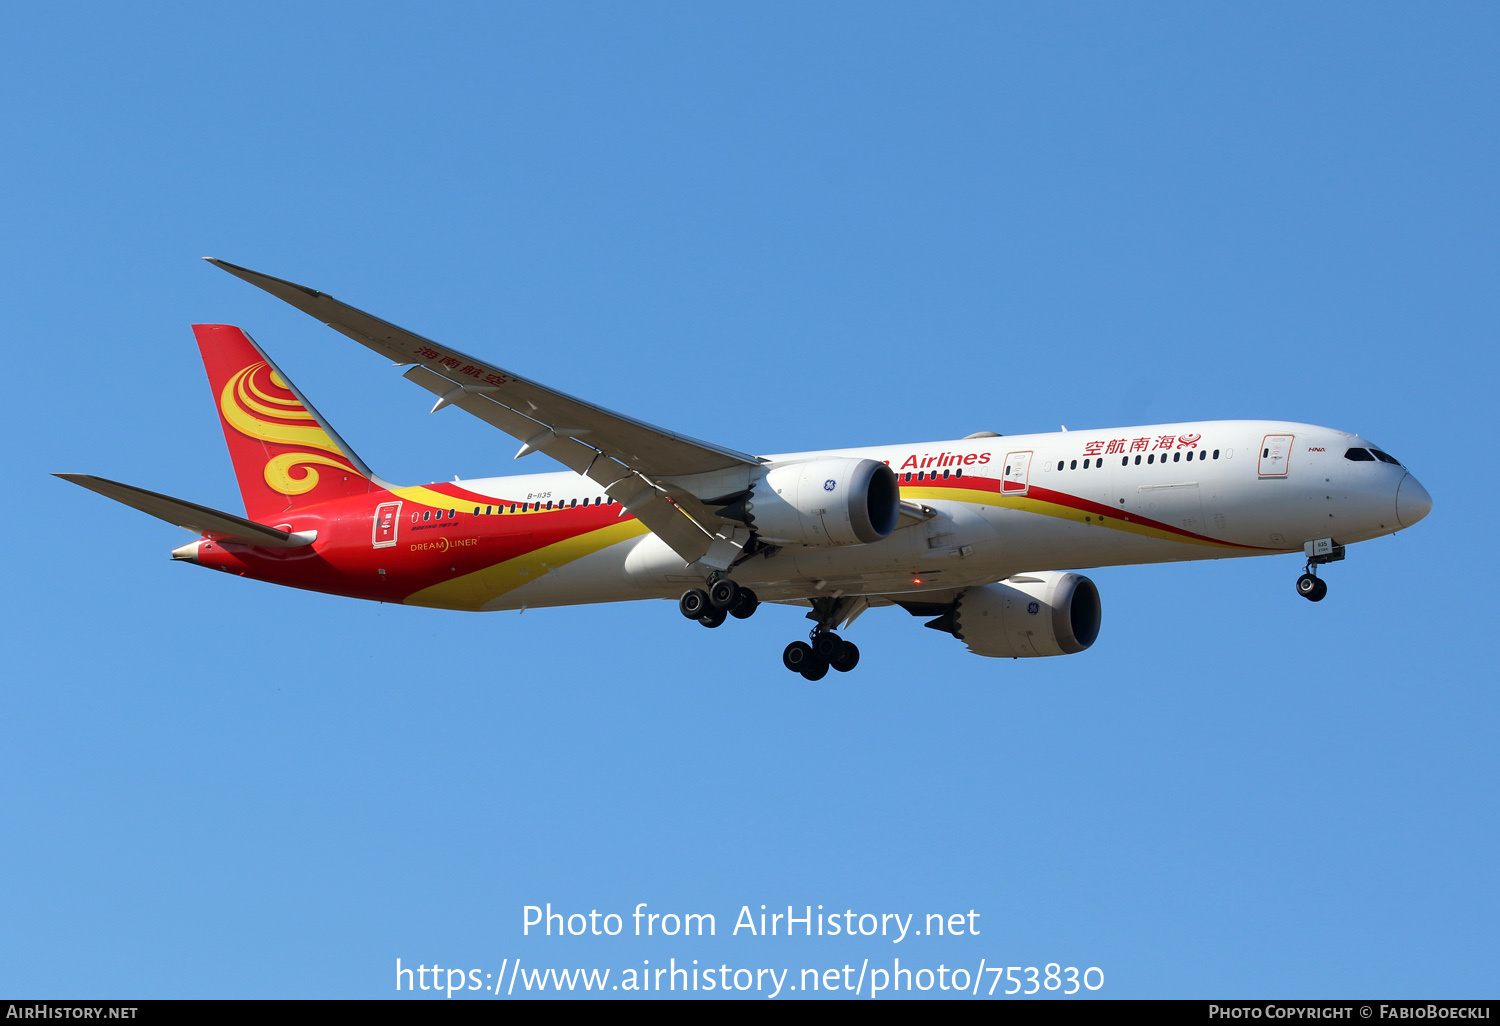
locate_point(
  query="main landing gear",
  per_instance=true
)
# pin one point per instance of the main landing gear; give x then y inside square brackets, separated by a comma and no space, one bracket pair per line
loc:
[826,651]
[823,650]
[722,600]
[1310,586]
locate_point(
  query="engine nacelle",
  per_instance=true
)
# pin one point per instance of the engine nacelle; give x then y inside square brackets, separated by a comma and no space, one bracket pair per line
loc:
[836,501]
[1044,614]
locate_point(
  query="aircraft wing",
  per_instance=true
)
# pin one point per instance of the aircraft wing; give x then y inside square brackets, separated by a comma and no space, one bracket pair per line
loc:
[627,457]
[212,523]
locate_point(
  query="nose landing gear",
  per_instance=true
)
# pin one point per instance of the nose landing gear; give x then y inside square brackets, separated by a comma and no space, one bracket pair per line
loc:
[1324,550]
[1311,587]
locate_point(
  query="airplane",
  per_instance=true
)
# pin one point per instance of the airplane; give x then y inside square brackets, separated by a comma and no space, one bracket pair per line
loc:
[970,534]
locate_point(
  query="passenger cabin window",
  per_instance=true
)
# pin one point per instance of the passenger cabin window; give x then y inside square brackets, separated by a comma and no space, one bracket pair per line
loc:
[1359,455]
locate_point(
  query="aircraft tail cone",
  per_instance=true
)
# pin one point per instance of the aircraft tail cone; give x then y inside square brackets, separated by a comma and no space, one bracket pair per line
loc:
[189,552]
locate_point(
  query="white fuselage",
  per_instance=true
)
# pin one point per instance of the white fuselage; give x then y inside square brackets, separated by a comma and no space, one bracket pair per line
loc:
[999,506]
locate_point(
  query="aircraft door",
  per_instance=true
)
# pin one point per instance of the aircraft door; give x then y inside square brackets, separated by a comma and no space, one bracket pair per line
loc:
[387,520]
[1017,467]
[1275,451]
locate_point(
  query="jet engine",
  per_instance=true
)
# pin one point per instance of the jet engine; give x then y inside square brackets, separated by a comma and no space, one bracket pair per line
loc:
[836,501]
[1042,614]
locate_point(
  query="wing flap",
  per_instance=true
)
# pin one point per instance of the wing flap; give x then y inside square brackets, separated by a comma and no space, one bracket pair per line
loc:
[211,523]
[635,492]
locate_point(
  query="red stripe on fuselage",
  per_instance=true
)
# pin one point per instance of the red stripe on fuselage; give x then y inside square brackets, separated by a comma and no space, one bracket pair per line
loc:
[343,560]
[1056,498]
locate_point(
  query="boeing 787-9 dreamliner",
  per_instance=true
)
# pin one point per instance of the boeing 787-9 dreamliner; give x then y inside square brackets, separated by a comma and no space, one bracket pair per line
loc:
[980,535]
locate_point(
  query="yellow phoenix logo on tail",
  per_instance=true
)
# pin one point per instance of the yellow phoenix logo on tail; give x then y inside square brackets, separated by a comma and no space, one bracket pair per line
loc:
[245,403]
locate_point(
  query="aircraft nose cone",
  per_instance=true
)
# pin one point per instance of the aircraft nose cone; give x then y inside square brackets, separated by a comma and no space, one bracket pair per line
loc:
[1412,501]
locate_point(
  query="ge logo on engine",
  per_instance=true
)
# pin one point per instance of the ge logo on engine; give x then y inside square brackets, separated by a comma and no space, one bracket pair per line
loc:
[1033,608]
[828,486]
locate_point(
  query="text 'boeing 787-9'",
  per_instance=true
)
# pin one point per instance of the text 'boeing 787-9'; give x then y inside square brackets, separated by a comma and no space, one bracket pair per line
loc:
[968,533]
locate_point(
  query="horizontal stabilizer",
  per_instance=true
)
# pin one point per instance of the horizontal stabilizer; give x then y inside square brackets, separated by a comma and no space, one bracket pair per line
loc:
[210,522]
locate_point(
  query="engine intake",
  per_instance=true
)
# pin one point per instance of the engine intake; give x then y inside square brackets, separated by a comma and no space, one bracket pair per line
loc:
[840,501]
[1043,614]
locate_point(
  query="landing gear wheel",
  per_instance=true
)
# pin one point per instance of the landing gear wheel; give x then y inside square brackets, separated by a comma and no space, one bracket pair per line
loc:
[1311,588]
[693,604]
[816,670]
[847,659]
[724,594]
[798,654]
[713,618]
[746,606]
[826,646]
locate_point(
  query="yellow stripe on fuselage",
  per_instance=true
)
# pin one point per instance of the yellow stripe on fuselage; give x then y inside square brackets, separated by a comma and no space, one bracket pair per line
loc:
[471,591]
[424,496]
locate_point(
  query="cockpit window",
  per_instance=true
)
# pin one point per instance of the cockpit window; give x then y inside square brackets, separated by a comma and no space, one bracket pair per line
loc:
[1385,457]
[1359,456]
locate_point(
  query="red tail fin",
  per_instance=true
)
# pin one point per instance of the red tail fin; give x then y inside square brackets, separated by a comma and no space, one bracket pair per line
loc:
[284,455]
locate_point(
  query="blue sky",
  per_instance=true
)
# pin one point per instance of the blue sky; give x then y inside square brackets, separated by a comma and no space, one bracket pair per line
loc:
[780,227]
